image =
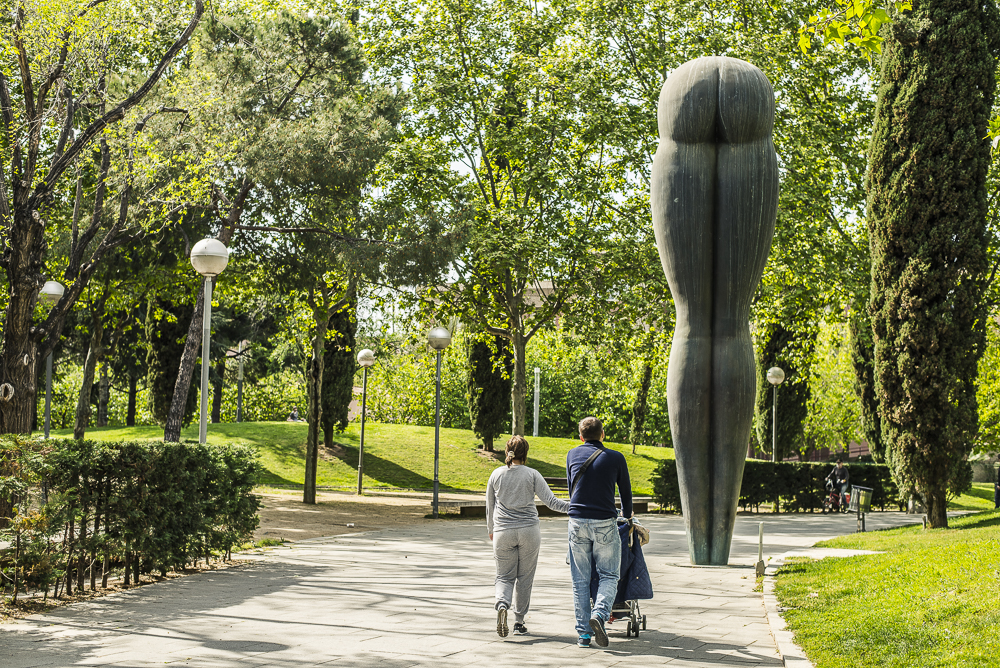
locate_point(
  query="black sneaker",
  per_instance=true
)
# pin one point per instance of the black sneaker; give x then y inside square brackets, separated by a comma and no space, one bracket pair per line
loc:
[600,635]
[502,622]
[583,641]
[520,629]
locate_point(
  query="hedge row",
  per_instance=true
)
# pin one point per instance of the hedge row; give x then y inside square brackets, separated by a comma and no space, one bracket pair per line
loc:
[86,507]
[799,486]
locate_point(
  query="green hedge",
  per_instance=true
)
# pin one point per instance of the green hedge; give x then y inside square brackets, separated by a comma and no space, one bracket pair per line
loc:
[83,508]
[800,486]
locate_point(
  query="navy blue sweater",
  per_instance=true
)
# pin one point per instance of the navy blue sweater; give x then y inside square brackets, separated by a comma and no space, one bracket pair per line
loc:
[594,496]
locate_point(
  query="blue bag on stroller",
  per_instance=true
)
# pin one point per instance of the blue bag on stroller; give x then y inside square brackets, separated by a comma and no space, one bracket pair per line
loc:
[633,581]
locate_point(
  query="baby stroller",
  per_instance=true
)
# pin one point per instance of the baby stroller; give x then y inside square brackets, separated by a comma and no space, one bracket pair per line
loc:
[633,579]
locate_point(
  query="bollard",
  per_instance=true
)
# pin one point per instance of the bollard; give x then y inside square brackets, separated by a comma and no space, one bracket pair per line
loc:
[760,550]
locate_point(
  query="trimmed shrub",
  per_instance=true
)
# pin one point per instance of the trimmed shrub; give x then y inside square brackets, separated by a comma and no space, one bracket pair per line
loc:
[798,486]
[88,507]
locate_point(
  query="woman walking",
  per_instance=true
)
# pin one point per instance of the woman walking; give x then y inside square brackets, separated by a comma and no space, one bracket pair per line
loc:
[512,523]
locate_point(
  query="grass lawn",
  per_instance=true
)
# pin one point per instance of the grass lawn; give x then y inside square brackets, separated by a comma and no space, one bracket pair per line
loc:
[932,598]
[395,455]
[980,497]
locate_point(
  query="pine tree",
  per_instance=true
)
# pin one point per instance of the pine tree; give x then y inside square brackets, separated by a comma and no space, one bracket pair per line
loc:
[489,379]
[926,182]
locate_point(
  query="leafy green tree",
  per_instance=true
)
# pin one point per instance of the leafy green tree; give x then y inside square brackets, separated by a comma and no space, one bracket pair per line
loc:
[819,257]
[514,93]
[74,71]
[834,418]
[929,159]
[489,369]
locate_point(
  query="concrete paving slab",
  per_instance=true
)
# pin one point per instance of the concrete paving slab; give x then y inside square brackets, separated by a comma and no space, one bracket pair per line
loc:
[422,596]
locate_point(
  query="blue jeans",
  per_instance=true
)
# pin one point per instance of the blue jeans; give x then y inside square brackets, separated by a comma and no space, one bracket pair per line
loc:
[594,542]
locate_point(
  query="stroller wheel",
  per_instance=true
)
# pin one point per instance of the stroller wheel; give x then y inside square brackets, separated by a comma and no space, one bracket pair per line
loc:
[628,630]
[643,623]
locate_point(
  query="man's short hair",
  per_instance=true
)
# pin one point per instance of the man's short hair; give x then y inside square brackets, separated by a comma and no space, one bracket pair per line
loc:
[591,429]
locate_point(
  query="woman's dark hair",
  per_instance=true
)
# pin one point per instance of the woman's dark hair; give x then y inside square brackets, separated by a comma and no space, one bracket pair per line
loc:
[517,448]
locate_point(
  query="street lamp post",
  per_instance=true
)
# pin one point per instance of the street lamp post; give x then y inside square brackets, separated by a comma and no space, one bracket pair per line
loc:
[538,389]
[438,338]
[50,294]
[239,385]
[775,376]
[208,257]
[365,358]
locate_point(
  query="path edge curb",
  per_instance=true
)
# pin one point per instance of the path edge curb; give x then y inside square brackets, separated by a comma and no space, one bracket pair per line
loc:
[792,656]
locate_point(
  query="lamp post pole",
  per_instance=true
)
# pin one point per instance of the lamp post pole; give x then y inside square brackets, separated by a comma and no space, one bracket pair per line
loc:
[774,426]
[775,376]
[538,389]
[48,394]
[208,257]
[365,358]
[438,338]
[50,293]
[239,385]
[206,335]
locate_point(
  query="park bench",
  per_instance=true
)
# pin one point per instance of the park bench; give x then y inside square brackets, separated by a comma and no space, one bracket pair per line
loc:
[477,507]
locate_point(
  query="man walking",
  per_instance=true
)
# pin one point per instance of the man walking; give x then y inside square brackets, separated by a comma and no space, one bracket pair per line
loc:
[592,472]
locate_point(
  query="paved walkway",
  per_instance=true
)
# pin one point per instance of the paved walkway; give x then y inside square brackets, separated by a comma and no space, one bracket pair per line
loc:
[420,596]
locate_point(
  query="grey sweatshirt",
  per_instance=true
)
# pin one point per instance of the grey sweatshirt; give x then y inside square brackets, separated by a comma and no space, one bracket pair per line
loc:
[510,498]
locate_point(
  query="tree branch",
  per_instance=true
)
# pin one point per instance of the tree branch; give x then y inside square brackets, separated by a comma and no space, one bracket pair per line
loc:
[118,113]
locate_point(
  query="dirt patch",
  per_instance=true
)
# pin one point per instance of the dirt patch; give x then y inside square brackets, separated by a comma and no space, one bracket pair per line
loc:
[335,451]
[285,516]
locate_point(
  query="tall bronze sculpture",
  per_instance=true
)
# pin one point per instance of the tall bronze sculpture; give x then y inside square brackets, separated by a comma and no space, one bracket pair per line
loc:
[714,197]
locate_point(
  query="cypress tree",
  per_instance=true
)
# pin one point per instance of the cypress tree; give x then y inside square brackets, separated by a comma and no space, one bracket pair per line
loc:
[340,365]
[926,180]
[489,379]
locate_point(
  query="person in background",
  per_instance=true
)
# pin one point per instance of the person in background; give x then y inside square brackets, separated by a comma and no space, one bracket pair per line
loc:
[592,472]
[840,477]
[294,415]
[512,524]
[996,491]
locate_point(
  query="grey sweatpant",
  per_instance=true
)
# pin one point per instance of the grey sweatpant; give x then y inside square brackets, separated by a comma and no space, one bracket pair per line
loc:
[516,554]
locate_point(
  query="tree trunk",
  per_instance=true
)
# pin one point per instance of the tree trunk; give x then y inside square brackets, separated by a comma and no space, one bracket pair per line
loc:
[936,502]
[220,372]
[103,396]
[519,387]
[314,388]
[133,390]
[89,367]
[172,428]
[17,359]
[175,418]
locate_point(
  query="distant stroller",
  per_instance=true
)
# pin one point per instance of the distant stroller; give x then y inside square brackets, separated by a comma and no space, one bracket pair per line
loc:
[633,580]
